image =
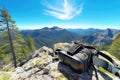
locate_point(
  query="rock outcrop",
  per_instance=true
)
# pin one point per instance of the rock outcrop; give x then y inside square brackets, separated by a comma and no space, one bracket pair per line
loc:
[43,67]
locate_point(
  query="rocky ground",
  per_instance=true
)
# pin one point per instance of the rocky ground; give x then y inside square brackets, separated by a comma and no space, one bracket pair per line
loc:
[43,66]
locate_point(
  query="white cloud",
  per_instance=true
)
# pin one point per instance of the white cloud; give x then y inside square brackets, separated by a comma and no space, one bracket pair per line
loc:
[67,10]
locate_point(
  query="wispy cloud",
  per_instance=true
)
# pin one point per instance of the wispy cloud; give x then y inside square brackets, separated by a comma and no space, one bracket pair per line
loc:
[67,10]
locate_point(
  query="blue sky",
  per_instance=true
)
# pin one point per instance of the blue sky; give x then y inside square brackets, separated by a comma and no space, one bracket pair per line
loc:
[36,14]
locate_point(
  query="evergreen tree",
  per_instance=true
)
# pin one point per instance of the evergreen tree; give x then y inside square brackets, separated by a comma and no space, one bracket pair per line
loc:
[21,49]
[20,45]
[30,43]
[115,47]
[6,21]
[12,39]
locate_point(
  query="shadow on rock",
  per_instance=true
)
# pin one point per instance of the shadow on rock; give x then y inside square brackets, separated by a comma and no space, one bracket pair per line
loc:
[88,75]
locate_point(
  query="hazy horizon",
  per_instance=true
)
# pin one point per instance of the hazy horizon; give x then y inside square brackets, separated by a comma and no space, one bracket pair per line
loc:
[70,28]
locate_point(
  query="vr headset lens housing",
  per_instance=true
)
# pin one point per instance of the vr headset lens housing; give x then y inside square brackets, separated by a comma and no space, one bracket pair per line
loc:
[78,62]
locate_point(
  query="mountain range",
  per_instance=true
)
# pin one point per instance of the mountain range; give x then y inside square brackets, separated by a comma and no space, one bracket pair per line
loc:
[84,32]
[49,36]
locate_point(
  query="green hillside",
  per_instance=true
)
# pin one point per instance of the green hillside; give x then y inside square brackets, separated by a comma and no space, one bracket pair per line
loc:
[115,47]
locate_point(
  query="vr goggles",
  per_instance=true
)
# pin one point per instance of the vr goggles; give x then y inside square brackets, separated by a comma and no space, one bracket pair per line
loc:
[80,57]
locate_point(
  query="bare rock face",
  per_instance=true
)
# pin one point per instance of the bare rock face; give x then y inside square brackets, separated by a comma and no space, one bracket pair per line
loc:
[43,51]
[105,36]
[42,67]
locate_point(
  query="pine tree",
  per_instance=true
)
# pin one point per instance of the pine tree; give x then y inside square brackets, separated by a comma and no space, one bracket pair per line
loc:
[20,46]
[30,43]
[6,21]
[21,49]
[115,47]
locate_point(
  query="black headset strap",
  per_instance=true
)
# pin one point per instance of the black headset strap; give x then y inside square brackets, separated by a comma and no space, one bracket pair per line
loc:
[103,63]
[107,57]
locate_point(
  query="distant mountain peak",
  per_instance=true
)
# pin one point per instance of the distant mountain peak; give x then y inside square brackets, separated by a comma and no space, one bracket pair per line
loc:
[45,28]
[109,32]
[54,28]
[57,28]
